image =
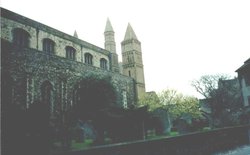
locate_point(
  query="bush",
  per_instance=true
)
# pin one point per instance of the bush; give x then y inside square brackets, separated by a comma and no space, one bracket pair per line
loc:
[206,129]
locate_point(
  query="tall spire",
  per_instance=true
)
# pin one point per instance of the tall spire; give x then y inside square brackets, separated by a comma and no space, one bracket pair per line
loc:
[132,64]
[75,34]
[109,36]
[108,27]
[130,34]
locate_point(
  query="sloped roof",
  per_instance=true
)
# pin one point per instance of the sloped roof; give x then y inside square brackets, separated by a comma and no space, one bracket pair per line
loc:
[30,22]
[130,34]
[75,34]
[108,27]
[244,66]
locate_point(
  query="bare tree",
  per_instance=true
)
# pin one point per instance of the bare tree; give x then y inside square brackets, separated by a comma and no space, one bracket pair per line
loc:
[207,84]
[222,96]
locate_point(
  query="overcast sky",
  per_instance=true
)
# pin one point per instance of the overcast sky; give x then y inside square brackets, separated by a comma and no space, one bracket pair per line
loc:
[181,39]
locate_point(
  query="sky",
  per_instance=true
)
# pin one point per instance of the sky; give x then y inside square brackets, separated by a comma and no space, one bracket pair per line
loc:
[181,40]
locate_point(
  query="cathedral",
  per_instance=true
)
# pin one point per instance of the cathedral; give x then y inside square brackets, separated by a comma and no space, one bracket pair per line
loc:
[40,63]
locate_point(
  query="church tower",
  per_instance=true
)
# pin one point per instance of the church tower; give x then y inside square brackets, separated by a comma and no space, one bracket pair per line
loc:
[132,60]
[110,46]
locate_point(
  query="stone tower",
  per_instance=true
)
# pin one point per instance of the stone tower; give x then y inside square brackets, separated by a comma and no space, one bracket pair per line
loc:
[110,46]
[132,60]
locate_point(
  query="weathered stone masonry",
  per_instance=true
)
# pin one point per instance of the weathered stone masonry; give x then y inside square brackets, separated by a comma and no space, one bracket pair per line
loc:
[28,69]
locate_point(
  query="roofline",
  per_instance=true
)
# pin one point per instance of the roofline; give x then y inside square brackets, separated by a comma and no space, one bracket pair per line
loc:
[27,21]
[246,63]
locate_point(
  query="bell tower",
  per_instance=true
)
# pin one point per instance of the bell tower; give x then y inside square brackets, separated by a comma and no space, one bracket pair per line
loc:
[109,44]
[132,60]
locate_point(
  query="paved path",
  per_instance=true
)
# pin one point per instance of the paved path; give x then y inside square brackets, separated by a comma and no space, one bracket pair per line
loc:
[244,150]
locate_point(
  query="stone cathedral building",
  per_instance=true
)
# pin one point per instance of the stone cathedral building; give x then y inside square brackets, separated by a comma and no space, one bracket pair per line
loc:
[41,63]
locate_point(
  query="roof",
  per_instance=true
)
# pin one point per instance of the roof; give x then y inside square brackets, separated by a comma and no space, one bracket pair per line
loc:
[244,66]
[75,34]
[27,21]
[130,34]
[108,27]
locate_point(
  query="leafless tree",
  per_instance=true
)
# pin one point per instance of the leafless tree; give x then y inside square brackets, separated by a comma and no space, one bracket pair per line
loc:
[222,96]
[207,84]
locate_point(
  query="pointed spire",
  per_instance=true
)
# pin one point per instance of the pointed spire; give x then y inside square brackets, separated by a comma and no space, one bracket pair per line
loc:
[75,34]
[130,34]
[108,27]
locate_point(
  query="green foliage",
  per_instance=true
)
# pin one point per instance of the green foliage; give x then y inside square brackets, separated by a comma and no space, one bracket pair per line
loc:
[92,94]
[170,134]
[206,129]
[179,105]
[189,105]
[77,146]
[175,103]
[97,89]
[173,133]
[151,100]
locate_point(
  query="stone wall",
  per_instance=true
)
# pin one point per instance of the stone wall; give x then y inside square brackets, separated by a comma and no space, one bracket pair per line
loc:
[29,68]
[207,143]
[245,92]
[38,32]
[26,69]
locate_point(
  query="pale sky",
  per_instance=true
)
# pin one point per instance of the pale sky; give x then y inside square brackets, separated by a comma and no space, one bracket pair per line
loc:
[181,39]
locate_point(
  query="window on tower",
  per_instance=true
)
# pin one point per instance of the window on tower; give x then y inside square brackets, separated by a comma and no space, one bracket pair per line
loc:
[88,58]
[129,73]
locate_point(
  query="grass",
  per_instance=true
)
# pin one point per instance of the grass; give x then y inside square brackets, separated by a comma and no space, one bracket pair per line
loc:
[88,142]
[206,129]
[77,146]
[171,134]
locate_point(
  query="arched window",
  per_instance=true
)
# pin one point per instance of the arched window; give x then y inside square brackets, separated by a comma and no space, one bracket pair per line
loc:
[48,46]
[21,38]
[46,95]
[103,63]
[70,53]
[88,58]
